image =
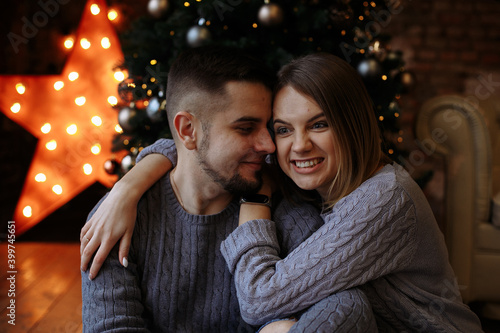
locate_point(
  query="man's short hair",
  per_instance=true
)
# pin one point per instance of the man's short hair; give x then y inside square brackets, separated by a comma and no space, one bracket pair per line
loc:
[198,77]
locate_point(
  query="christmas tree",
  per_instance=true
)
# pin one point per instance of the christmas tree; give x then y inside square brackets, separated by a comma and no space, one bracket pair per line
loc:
[278,31]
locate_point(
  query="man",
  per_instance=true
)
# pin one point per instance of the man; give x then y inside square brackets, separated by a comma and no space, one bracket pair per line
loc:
[218,105]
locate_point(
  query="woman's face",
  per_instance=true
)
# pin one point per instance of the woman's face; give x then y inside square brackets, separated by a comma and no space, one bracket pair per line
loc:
[304,141]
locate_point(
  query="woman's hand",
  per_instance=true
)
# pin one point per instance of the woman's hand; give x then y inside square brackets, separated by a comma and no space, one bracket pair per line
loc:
[269,176]
[113,221]
[252,211]
[279,326]
[115,218]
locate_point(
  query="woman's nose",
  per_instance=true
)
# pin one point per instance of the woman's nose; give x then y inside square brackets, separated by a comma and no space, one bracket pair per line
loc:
[301,143]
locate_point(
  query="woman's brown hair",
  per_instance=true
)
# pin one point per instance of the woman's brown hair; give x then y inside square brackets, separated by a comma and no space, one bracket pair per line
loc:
[340,92]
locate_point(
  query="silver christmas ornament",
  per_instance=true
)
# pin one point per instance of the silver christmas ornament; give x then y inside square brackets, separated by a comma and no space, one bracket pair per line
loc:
[127,163]
[198,36]
[370,69]
[125,118]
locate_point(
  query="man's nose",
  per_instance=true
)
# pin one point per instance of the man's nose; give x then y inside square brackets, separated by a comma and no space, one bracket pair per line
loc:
[264,143]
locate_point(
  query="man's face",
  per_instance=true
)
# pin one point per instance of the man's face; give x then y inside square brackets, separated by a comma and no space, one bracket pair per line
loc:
[236,142]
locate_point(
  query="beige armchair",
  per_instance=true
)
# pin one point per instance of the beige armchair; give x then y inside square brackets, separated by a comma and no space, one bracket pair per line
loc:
[468,137]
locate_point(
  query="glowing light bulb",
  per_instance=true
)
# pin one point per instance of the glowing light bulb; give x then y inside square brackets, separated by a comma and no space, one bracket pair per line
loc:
[96,120]
[27,211]
[94,9]
[80,100]
[57,189]
[72,129]
[118,129]
[20,88]
[84,43]
[46,128]
[58,85]
[105,43]
[87,169]
[153,62]
[15,108]
[112,100]
[96,149]
[51,145]
[68,43]
[73,76]
[119,76]
[40,178]
[112,15]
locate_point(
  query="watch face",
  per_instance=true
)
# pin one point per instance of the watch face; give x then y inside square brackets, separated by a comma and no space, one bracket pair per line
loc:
[258,198]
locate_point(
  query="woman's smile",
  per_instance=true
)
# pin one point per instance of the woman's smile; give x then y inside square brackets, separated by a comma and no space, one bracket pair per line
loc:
[305,142]
[307,165]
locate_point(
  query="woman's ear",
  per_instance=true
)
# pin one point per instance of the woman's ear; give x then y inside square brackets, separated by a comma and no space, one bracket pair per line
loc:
[186,127]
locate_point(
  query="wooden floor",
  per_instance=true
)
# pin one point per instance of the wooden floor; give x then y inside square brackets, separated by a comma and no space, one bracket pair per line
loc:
[47,288]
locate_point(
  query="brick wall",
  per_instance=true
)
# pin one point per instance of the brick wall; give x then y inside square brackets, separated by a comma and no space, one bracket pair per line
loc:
[449,46]
[447,41]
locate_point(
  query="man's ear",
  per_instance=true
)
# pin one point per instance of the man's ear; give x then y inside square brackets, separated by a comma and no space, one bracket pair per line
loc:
[186,127]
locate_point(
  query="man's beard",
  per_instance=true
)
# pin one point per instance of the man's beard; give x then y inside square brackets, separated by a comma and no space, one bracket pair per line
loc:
[236,185]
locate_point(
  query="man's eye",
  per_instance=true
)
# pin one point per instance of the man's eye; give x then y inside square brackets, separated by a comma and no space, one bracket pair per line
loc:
[245,129]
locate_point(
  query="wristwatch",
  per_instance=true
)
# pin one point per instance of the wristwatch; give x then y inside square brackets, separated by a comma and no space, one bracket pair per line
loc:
[256,199]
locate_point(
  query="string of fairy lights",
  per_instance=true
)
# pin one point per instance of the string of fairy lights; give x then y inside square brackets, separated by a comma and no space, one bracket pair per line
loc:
[71,114]
[72,129]
[55,136]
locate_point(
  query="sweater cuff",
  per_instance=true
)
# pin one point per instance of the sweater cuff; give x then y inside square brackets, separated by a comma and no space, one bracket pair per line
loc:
[166,147]
[251,234]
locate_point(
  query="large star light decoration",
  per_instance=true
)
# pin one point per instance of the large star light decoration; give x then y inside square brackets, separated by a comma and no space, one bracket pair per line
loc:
[71,114]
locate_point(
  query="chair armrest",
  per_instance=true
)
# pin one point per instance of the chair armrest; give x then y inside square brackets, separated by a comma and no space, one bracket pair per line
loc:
[453,128]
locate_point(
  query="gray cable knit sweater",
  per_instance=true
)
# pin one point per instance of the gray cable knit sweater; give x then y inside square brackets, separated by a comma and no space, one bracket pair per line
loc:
[382,236]
[178,281]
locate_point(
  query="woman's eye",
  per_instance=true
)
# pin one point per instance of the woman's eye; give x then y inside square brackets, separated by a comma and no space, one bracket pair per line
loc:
[320,124]
[281,130]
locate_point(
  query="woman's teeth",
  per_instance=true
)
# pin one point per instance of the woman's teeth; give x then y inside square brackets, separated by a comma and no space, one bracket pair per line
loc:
[307,164]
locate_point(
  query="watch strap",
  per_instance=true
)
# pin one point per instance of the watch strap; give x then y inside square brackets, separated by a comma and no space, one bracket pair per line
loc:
[256,199]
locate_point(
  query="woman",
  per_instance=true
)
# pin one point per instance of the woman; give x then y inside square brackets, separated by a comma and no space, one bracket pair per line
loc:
[379,232]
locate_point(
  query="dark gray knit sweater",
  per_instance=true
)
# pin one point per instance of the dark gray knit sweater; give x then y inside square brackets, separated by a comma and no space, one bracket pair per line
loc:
[382,237]
[178,281]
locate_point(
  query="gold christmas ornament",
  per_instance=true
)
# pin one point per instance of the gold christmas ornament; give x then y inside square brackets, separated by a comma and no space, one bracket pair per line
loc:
[270,14]
[158,8]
